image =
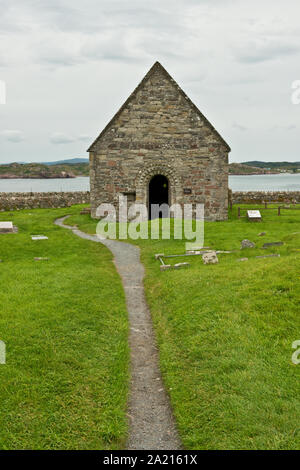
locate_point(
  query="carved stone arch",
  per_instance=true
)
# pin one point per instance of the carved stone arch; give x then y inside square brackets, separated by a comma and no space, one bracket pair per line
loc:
[145,175]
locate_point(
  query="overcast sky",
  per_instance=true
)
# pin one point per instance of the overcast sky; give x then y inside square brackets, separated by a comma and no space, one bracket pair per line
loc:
[68,66]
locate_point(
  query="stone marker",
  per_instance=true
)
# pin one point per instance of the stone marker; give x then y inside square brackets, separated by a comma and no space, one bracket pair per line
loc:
[41,259]
[254,216]
[193,252]
[266,245]
[181,265]
[242,259]
[159,255]
[261,234]
[277,255]
[165,267]
[197,248]
[210,258]
[247,244]
[6,227]
[39,237]
[87,210]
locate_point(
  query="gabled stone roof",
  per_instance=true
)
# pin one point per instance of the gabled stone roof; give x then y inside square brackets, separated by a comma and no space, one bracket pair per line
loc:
[154,68]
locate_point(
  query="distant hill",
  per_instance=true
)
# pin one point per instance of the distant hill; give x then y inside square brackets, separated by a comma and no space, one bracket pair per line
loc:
[242,169]
[67,161]
[44,171]
[72,167]
[274,165]
[256,167]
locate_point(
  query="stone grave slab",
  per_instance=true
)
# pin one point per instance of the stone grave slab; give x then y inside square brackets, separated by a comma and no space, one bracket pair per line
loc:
[181,265]
[269,256]
[39,237]
[165,267]
[267,245]
[6,227]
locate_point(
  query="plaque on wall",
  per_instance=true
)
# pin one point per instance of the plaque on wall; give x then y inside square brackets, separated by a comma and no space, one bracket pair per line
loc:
[187,191]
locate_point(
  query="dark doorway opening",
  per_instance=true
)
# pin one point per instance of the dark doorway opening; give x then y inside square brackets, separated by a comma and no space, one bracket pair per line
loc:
[158,194]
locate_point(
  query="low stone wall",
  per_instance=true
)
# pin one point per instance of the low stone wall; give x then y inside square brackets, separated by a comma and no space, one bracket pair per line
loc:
[259,197]
[13,201]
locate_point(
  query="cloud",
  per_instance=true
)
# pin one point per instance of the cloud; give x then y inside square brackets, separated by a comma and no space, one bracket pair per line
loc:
[288,127]
[70,65]
[265,50]
[85,138]
[61,33]
[14,136]
[61,138]
[58,138]
[239,127]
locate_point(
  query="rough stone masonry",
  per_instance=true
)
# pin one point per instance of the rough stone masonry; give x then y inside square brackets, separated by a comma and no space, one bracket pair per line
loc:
[159,131]
[16,201]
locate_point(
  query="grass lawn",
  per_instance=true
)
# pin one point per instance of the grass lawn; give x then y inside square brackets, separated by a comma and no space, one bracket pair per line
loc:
[225,334]
[64,322]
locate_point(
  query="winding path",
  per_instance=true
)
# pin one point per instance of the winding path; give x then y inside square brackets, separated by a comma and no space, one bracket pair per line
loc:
[152,424]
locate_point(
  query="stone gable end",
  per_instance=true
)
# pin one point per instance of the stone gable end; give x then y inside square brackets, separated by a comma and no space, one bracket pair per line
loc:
[160,131]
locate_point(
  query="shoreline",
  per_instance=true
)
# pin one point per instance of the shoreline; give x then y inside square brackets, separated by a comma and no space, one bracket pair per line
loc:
[271,182]
[264,174]
[15,177]
[55,177]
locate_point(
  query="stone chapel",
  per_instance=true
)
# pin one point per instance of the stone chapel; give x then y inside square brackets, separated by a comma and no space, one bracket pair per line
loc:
[159,148]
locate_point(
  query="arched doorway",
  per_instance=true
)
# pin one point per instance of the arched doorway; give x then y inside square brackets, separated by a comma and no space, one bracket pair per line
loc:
[158,192]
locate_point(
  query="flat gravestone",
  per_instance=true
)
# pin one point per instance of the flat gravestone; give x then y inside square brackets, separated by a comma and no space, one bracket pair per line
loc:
[39,237]
[266,245]
[254,216]
[6,227]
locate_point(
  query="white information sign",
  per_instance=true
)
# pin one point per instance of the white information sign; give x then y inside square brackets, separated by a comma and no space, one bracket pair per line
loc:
[254,214]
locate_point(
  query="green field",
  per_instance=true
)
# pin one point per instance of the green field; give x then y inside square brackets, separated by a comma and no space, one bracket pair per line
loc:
[225,334]
[64,322]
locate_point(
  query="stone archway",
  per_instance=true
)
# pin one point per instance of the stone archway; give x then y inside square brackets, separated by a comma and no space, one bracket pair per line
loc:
[145,176]
[158,194]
